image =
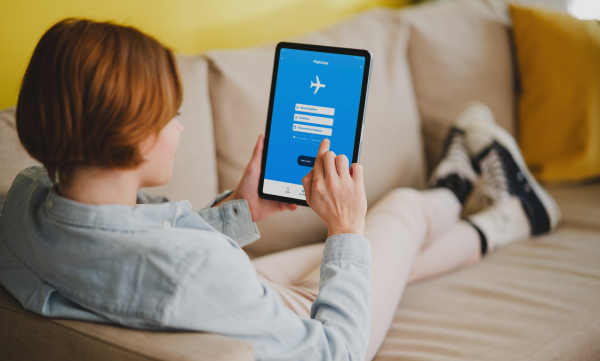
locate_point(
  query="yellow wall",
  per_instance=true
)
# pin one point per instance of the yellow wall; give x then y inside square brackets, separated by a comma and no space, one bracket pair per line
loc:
[187,26]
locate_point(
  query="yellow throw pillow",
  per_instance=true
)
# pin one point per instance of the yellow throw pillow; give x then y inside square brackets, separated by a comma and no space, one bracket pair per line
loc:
[559,106]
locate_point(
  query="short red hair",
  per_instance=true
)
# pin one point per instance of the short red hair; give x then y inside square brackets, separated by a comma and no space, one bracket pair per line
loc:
[93,91]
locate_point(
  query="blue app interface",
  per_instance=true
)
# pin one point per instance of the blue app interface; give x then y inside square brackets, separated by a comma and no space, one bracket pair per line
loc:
[317,95]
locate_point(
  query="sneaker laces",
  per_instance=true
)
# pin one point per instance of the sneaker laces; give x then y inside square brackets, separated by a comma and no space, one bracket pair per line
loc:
[456,150]
[495,184]
[455,160]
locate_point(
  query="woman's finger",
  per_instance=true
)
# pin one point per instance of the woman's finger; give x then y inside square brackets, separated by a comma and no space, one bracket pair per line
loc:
[342,165]
[258,149]
[323,147]
[307,184]
[318,166]
[356,170]
[286,206]
[329,165]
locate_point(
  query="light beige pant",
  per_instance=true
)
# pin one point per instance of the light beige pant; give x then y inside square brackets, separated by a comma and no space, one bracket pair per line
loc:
[413,235]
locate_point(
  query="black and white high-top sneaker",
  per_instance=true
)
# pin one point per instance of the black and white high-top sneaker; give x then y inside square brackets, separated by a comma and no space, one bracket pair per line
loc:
[506,176]
[455,170]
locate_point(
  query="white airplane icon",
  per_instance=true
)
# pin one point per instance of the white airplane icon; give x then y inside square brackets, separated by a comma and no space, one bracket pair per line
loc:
[317,84]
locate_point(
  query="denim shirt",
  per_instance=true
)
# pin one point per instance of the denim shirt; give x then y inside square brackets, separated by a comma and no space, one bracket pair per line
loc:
[163,266]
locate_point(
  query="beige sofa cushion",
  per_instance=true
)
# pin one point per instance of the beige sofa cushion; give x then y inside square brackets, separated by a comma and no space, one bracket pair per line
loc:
[32,336]
[459,52]
[13,157]
[534,300]
[580,205]
[194,174]
[392,147]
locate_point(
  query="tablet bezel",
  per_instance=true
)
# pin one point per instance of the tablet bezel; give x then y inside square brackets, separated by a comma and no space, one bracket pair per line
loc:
[360,117]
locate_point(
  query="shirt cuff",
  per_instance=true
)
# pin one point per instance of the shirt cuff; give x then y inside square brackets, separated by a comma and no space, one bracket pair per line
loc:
[347,246]
[233,219]
[219,198]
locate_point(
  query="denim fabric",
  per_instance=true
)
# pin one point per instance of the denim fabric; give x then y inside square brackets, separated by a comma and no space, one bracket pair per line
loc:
[162,266]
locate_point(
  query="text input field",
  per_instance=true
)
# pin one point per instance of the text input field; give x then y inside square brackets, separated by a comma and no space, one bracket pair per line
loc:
[311,129]
[315,109]
[313,119]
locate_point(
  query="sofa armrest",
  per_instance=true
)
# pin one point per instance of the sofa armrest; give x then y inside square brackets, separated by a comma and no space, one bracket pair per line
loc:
[28,336]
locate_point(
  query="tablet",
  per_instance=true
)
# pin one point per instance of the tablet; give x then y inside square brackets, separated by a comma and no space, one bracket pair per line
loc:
[317,92]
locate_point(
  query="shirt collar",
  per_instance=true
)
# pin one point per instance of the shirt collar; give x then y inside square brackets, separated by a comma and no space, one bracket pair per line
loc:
[114,216]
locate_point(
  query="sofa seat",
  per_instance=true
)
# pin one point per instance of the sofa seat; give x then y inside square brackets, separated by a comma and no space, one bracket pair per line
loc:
[580,205]
[534,300]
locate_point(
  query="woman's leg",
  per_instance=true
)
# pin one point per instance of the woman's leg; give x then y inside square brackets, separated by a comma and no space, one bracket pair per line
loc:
[456,247]
[291,274]
[398,226]
[294,273]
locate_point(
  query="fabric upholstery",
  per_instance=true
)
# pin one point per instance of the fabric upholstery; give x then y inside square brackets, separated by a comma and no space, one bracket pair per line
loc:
[459,52]
[580,205]
[534,300]
[392,147]
[558,57]
[64,340]
[13,157]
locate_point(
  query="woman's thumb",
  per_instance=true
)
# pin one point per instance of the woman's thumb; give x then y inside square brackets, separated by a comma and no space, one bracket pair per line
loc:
[307,184]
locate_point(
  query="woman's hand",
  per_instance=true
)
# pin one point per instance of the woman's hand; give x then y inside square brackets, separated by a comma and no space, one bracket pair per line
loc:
[248,189]
[336,193]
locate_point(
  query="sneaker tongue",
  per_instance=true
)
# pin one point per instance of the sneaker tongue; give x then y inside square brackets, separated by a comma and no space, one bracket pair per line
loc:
[478,141]
[496,184]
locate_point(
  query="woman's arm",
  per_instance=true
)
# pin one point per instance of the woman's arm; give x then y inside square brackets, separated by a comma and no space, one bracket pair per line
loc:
[233,219]
[241,307]
[230,300]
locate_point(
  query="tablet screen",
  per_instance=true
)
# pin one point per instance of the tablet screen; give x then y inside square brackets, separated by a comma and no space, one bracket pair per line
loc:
[317,95]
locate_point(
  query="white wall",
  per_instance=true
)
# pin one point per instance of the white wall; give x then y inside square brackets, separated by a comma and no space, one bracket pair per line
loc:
[553,4]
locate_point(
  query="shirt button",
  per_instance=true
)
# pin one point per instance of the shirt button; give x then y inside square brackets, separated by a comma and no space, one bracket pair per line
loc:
[166,224]
[178,212]
[51,204]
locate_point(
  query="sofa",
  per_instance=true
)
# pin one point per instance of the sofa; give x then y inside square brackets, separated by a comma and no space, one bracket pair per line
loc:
[533,300]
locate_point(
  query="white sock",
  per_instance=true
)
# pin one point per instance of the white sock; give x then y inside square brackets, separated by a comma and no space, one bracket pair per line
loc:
[503,223]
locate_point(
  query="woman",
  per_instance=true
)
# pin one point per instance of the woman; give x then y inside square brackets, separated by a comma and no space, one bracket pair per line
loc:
[98,108]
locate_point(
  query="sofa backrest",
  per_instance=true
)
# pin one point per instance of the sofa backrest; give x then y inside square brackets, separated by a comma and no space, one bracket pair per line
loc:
[460,51]
[13,157]
[392,153]
[428,61]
